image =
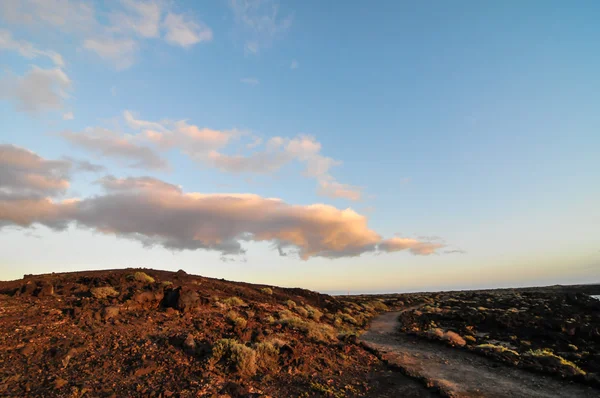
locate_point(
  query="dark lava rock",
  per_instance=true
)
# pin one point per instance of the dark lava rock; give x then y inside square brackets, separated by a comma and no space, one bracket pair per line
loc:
[182,299]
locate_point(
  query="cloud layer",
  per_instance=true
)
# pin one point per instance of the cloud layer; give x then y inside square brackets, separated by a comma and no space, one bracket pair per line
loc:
[114,35]
[154,212]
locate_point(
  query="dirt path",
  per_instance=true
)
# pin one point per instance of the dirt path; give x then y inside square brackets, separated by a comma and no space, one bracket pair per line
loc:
[457,373]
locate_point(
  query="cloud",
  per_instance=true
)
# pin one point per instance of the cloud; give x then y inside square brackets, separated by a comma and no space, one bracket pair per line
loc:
[155,212]
[24,173]
[114,35]
[65,15]
[415,246]
[294,64]
[208,146]
[142,184]
[109,144]
[196,142]
[26,49]
[68,116]
[84,165]
[259,163]
[336,190]
[455,251]
[141,18]
[38,90]
[184,32]
[251,81]
[259,22]
[120,52]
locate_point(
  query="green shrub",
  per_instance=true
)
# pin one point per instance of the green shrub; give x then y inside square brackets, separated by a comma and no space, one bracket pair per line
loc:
[103,292]
[269,319]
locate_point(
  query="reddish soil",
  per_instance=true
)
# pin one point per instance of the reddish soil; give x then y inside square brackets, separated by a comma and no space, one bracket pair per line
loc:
[108,334]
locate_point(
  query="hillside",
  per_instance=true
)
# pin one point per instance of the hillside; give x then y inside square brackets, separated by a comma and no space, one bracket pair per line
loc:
[137,332]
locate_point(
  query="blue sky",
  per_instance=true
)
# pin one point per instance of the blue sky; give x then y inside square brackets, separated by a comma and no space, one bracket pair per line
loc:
[463,136]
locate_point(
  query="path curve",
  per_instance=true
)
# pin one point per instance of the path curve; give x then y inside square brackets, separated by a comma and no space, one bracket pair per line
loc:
[459,373]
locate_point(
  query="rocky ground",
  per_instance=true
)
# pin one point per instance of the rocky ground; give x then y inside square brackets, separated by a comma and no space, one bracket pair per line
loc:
[554,331]
[132,332]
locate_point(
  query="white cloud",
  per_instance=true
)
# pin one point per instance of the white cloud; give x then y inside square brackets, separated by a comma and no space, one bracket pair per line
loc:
[38,90]
[259,23]
[139,17]
[115,38]
[185,32]
[251,81]
[68,116]
[120,52]
[294,64]
[26,49]
[65,15]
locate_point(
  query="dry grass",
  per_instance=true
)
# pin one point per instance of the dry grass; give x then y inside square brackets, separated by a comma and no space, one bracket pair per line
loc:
[267,356]
[497,348]
[546,353]
[379,306]
[233,301]
[233,355]
[236,319]
[315,331]
[449,336]
[314,313]
[291,304]
[267,290]
[302,311]
[103,292]
[141,277]
[349,319]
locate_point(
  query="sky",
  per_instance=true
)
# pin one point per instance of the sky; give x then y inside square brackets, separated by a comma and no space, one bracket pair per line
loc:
[356,147]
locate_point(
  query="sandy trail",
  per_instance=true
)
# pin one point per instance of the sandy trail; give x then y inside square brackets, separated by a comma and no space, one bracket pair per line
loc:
[458,373]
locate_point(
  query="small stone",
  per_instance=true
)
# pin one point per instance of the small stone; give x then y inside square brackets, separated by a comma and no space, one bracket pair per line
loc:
[27,350]
[60,383]
[189,344]
[110,312]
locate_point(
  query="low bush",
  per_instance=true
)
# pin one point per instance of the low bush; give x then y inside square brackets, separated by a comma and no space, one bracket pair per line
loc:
[236,319]
[103,292]
[549,355]
[291,304]
[234,356]
[141,277]
[233,301]
[267,290]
